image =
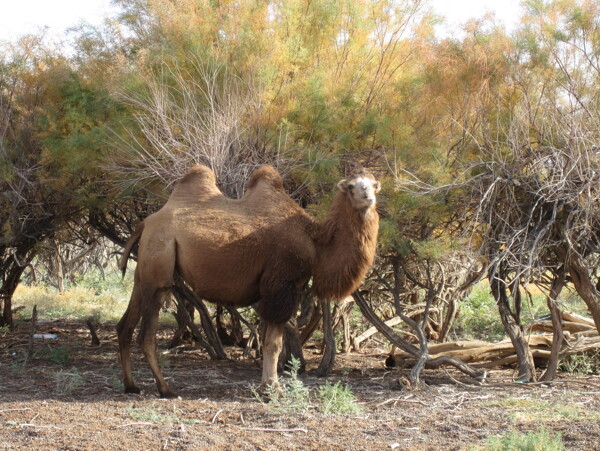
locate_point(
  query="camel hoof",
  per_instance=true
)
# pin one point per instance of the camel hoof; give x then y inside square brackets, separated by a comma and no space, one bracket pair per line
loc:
[270,390]
[169,395]
[133,389]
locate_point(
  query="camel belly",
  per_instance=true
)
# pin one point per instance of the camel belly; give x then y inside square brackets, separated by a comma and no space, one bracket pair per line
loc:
[220,278]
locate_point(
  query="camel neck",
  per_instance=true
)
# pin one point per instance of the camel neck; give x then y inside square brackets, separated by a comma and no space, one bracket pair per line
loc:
[346,244]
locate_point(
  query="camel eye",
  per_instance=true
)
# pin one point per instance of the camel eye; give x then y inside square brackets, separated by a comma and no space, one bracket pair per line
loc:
[351,186]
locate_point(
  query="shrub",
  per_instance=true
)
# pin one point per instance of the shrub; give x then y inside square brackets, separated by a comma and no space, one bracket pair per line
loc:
[59,355]
[337,399]
[583,364]
[478,317]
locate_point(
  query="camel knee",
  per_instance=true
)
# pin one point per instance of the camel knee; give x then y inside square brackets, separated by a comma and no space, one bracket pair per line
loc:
[273,348]
[279,306]
[124,331]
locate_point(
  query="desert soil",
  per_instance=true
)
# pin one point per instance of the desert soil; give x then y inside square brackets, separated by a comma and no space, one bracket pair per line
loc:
[79,404]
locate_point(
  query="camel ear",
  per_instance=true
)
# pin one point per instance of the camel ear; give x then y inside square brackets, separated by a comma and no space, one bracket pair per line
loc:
[343,185]
[377,187]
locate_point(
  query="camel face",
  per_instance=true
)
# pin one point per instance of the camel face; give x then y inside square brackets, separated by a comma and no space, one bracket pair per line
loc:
[361,191]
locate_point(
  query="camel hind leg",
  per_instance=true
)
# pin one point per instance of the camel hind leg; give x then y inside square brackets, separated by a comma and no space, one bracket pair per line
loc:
[125,329]
[147,341]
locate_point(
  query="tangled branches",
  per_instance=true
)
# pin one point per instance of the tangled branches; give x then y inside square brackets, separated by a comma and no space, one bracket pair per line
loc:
[197,115]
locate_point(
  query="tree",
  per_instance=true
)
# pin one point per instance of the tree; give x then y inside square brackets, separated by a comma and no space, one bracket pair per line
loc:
[50,146]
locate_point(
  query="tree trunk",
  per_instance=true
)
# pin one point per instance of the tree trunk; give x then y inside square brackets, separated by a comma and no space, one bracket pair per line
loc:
[181,289]
[514,330]
[396,340]
[557,337]
[328,359]
[292,347]
[340,315]
[58,268]
[12,276]
[312,324]
[449,318]
[580,276]
[184,315]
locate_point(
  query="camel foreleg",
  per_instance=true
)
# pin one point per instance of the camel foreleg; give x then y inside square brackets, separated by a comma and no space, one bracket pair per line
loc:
[271,350]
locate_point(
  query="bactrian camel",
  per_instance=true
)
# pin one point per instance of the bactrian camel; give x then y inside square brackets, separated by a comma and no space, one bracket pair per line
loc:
[262,248]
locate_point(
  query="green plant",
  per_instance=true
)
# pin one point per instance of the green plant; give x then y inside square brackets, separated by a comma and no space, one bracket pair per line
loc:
[59,355]
[65,381]
[541,440]
[292,396]
[337,399]
[115,379]
[478,317]
[583,364]
[156,416]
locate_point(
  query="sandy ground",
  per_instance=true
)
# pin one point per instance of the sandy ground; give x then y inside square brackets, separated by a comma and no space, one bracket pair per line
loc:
[52,403]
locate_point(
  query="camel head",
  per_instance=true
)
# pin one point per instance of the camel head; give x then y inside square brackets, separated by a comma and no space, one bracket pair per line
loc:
[361,188]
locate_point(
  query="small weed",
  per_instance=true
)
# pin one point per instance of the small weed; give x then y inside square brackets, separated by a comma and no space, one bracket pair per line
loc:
[115,379]
[292,397]
[337,399]
[59,355]
[541,411]
[156,416]
[542,440]
[4,330]
[65,381]
[164,360]
[17,367]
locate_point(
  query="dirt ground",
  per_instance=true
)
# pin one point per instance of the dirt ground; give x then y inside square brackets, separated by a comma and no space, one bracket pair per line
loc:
[68,397]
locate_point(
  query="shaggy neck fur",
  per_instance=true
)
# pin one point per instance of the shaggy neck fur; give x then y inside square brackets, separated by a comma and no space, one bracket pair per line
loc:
[346,242]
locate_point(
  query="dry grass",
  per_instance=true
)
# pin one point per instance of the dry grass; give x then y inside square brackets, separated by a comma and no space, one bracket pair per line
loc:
[74,303]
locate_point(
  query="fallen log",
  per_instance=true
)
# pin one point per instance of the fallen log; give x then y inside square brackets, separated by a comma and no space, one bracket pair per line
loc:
[569,326]
[482,354]
[575,318]
[356,341]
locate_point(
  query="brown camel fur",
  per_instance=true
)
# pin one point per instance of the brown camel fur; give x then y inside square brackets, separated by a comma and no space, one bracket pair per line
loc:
[260,249]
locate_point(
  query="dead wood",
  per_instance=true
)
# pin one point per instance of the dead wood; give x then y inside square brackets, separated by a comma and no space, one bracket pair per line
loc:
[356,341]
[409,348]
[481,354]
[546,326]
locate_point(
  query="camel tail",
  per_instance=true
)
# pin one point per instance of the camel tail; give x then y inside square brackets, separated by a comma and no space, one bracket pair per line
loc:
[133,239]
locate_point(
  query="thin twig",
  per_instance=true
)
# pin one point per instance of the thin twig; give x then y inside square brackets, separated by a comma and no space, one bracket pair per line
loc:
[277,429]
